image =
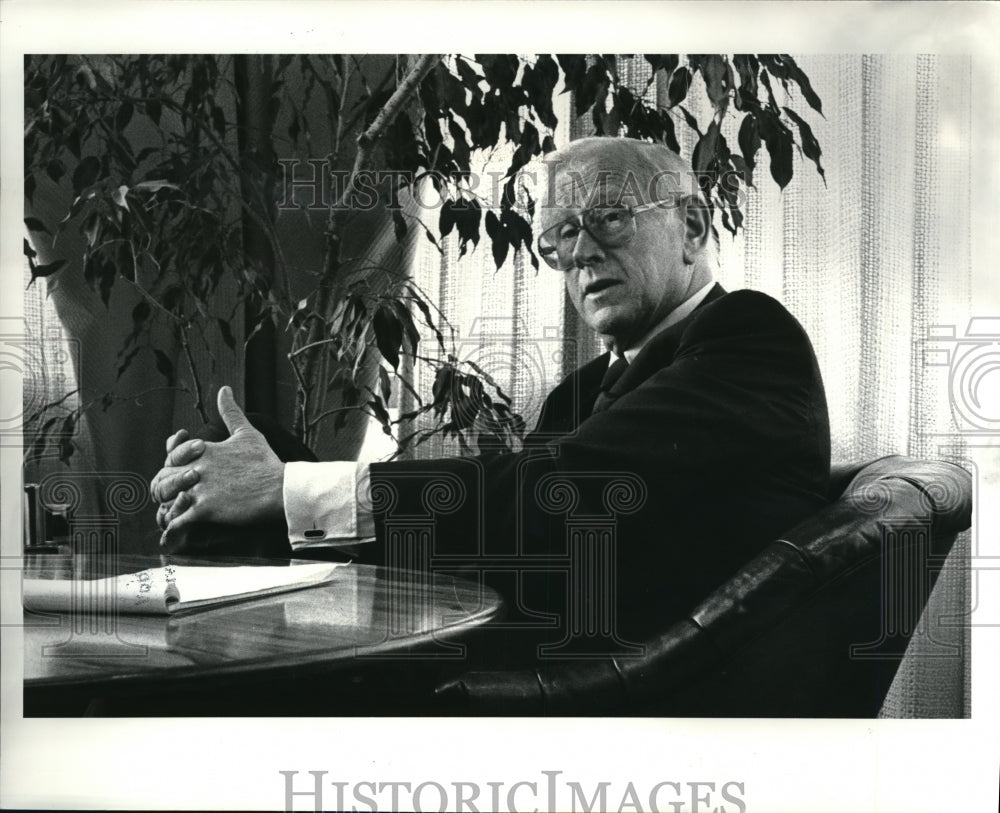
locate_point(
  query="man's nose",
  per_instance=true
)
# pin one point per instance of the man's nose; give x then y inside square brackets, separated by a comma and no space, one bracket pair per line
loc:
[587,250]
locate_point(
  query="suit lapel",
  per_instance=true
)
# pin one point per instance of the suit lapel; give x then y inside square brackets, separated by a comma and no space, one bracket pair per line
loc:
[573,400]
[660,350]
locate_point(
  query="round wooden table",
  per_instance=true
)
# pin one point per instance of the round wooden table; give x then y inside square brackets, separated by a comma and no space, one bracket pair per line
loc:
[368,641]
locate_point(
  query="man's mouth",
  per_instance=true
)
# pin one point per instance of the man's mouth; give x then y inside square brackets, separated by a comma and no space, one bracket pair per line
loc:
[599,285]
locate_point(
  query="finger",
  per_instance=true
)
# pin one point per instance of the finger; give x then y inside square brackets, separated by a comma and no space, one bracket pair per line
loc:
[232,416]
[168,483]
[161,514]
[176,439]
[183,502]
[178,526]
[186,453]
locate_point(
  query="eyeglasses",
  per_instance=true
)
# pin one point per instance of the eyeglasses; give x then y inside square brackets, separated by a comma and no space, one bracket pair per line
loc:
[610,226]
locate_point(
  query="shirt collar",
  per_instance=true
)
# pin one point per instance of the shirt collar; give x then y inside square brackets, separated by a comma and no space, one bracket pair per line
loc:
[672,318]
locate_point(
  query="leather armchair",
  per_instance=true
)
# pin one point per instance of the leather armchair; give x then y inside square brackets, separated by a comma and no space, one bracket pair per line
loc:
[814,626]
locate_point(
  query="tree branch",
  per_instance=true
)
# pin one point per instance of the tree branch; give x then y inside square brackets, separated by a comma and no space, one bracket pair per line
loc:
[198,404]
[366,142]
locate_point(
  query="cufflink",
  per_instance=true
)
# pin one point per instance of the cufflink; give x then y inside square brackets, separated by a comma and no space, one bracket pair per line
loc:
[315,533]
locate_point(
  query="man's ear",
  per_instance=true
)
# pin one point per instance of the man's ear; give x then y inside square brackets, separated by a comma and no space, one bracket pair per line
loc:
[697,227]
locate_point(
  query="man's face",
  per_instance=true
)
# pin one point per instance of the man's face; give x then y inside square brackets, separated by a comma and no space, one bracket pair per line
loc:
[621,292]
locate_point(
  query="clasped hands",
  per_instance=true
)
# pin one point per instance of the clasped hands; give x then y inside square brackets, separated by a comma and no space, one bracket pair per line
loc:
[236,482]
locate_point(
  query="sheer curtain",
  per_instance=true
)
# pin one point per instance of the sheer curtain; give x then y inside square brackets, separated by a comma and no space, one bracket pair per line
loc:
[510,321]
[873,262]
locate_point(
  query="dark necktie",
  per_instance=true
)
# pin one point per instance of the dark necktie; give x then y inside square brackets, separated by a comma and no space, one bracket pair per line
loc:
[610,379]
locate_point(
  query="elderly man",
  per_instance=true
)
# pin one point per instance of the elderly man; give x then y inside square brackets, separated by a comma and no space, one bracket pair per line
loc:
[709,403]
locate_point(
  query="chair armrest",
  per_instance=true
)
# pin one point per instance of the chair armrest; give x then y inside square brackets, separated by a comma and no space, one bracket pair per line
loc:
[833,542]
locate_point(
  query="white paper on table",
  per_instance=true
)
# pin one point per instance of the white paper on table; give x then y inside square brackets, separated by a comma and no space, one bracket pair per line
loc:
[170,589]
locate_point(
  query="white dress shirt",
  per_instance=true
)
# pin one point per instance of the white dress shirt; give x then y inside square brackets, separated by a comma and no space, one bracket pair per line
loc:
[672,318]
[321,499]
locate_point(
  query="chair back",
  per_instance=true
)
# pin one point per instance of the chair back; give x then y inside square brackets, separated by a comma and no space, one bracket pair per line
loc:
[813,626]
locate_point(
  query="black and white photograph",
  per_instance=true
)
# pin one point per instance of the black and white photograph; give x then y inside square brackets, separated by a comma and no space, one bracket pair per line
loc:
[389,430]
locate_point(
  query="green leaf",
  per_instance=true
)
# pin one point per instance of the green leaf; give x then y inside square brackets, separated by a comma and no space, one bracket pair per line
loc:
[165,366]
[124,115]
[468,216]
[219,121]
[38,447]
[384,384]
[749,140]
[677,87]
[91,228]
[785,68]
[55,169]
[227,333]
[388,335]
[140,313]
[718,78]
[574,67]
[409,326]
[46,270]
[692,122]
[460,150]
[528,147]
[106,278]
[446,221]
[498,237]
[155,186]
[593,81]
[85,174]
[518,229]
[489,379]
[118,197]
[810,146]
[703,158]
[426,312]
[153,109]
[746,66]
[666,62]
[744,172]
[294,128]
[765,80]
[500,69]
[127,361]
[34,224]
[433,241]
[669,134]
[441,389]
[450,88]
[140,213]
[381,414]
[66,447]
[471,80]
[398,225]
[779,142]
[540,82]
[75,208]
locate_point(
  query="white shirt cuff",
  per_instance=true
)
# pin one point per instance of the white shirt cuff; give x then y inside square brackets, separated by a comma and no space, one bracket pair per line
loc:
[321,503]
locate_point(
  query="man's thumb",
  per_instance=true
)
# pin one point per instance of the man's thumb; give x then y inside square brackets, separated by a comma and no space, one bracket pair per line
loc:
[232,416]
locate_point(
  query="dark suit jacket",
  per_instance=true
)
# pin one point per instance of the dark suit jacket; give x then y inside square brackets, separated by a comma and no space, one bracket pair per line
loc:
[721,422]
